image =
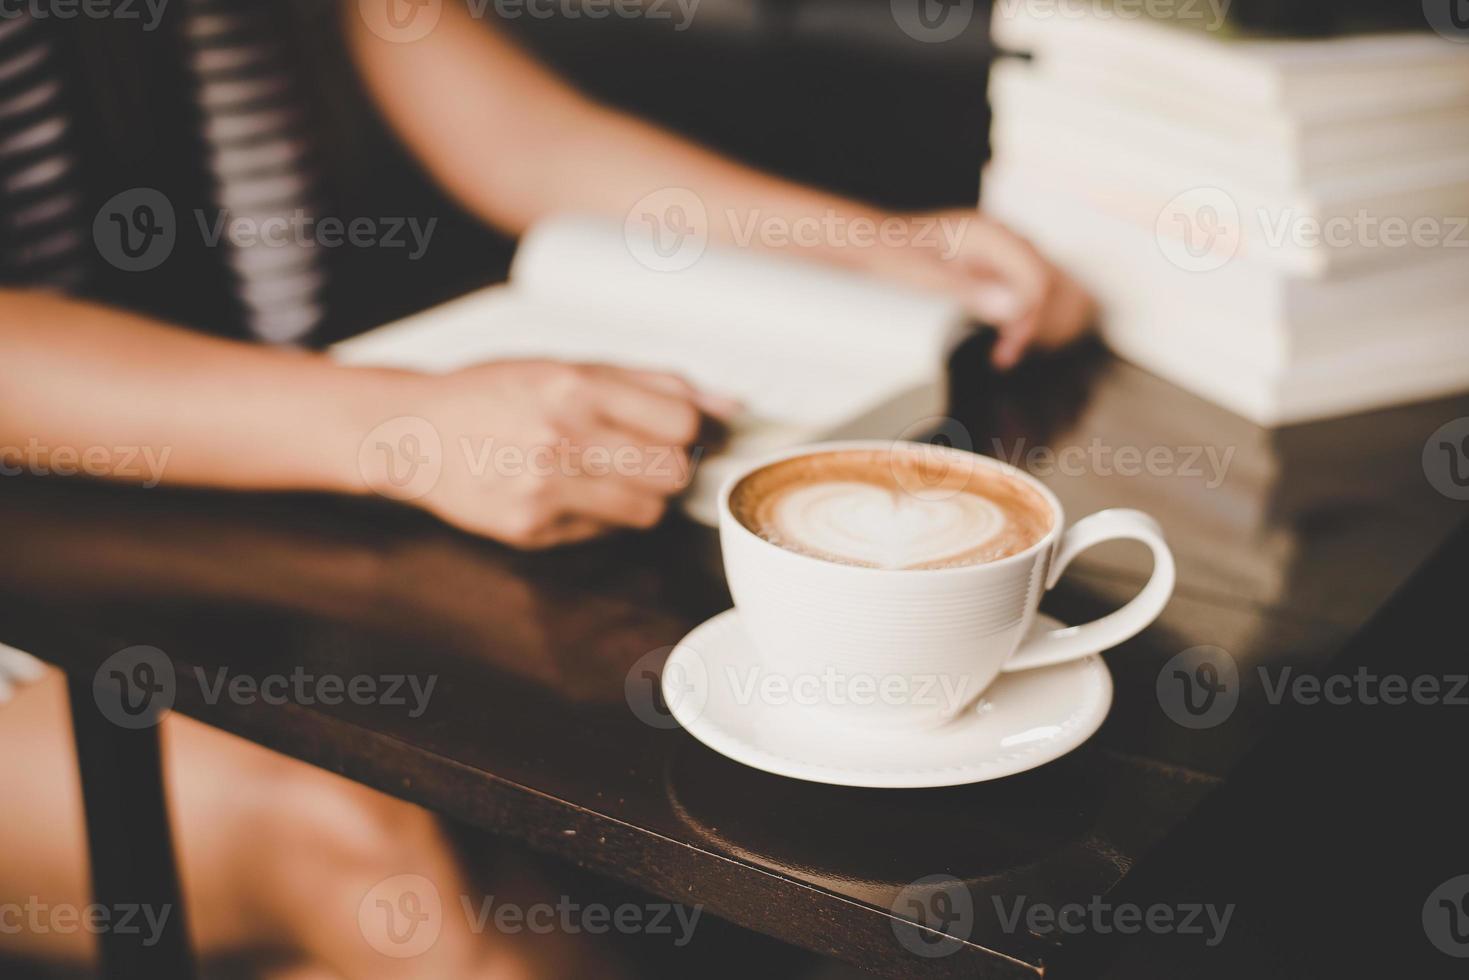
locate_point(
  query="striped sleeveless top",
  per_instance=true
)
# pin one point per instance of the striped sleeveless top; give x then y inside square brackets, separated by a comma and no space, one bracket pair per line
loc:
[258,154]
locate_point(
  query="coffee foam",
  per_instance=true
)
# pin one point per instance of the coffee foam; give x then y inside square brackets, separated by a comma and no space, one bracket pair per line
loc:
[899,509]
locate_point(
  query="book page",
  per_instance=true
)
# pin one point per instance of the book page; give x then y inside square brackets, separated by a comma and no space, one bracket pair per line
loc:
[800,344]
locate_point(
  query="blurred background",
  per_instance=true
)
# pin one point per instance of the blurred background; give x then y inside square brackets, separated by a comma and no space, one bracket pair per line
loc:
[847,95]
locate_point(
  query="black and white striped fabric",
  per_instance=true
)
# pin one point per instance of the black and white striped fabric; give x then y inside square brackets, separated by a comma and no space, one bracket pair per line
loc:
[41,225]
[255,131]
[258,150]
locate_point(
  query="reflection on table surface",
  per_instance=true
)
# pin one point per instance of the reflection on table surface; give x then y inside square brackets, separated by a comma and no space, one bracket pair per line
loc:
[1286,542]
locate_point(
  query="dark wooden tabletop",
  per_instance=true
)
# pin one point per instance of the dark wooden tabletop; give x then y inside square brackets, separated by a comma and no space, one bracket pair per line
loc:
[542,726]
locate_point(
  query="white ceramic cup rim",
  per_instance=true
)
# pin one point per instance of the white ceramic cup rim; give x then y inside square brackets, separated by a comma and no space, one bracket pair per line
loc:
[821,448]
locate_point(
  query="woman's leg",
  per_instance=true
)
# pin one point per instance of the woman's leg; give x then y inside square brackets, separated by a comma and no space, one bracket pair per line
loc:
[275,854]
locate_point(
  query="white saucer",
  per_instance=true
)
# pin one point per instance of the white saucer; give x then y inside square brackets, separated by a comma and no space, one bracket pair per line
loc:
[1023,720]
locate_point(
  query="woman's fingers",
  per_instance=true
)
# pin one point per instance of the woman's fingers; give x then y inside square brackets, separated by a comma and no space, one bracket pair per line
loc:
[1021,268]
[1072,311]
[1063,314]
[617,454]
[1017,335]
[721,407]
[656,416]
[1004,280]
[611,501]
[992,301]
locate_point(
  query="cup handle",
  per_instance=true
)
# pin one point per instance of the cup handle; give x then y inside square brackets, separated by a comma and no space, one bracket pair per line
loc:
[1072,642]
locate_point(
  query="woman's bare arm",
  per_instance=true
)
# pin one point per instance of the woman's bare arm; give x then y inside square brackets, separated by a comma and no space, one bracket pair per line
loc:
[514,143]
[507,449]
[77,378]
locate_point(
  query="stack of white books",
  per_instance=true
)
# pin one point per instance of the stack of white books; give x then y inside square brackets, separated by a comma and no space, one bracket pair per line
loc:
[1281,226]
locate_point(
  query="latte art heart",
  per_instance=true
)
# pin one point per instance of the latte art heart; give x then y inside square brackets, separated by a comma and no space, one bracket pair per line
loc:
[907,508]
[870,525]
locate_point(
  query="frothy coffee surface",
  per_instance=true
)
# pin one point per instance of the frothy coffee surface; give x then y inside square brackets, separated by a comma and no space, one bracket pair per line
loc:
[898,509]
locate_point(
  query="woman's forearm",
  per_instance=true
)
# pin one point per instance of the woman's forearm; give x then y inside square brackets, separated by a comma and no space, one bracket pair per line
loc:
[514,143]
[89,390]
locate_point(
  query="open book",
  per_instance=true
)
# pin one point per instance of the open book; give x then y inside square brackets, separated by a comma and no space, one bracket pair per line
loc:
[813,352]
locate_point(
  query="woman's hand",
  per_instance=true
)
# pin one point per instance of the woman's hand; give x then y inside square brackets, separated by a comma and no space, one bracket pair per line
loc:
[997,275]
[539,453]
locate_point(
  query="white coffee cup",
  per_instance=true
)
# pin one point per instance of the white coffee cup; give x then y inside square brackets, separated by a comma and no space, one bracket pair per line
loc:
[911,648]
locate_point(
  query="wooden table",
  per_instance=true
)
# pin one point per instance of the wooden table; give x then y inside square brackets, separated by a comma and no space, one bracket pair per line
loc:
[538,727]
